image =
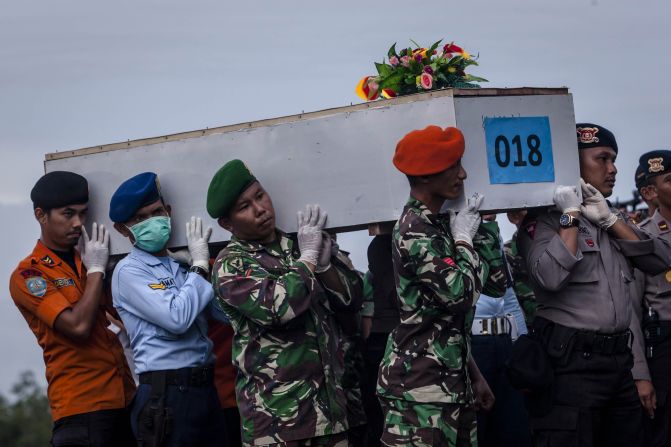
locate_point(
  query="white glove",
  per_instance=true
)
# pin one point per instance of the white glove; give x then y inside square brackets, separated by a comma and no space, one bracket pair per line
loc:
[465,224]
[595,208]
[182,256]
[196,242]
[96,251]
[310,225]
[325,252]
[566,199]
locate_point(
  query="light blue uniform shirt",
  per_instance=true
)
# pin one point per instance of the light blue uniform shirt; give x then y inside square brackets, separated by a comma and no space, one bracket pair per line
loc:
[164,308]
[488,307]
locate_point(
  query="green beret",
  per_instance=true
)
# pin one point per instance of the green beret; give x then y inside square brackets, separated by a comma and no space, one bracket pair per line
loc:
[226,186]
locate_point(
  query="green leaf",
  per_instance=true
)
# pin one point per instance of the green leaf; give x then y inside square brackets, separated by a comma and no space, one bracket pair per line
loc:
[392,51]
[433,47]
[416,44]
[471,78]
[383,69]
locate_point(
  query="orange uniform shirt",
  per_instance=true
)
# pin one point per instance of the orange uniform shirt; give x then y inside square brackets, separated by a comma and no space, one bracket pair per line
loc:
[83,376]
[221,335]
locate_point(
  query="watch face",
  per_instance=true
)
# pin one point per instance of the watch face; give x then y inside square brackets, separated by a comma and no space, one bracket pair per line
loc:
[564,220]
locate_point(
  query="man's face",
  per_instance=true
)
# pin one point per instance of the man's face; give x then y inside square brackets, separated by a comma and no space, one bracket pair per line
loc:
[597,167]
[62,227]
[449,184]
[154,209]
[252,218]
[660,190]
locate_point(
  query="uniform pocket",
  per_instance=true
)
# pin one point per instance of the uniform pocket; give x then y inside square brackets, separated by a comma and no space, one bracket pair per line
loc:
[557,428]
[584,273]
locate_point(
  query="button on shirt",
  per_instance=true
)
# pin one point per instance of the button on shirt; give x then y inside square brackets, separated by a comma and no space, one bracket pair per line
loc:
[164,308]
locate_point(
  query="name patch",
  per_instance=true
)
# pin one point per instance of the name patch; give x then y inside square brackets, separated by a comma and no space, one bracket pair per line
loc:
[63,282]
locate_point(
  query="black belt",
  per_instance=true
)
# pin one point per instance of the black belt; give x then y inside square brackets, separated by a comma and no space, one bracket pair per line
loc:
[582,340]
[197,376]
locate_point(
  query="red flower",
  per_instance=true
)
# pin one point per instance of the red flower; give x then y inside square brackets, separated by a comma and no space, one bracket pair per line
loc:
[452,48]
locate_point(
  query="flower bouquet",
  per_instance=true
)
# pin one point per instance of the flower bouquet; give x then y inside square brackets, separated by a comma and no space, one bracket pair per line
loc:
[417,70]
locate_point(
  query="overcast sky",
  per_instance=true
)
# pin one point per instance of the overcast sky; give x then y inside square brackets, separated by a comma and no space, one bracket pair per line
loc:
[80,73]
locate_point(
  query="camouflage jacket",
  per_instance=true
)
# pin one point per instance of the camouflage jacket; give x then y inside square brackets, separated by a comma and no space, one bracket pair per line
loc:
[438,283]
[521,285]
[287,344]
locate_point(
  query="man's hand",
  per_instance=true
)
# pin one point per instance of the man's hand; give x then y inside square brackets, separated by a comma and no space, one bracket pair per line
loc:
[310,225]
[646,393]
[465,224]
[484,398]
[95,253]
[325,252]
[595,207]
[197,241]
[566,199]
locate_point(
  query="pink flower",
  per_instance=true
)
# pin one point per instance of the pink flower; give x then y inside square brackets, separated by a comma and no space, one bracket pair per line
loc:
[405,61]
[426,81]
[428,69]
[393,61]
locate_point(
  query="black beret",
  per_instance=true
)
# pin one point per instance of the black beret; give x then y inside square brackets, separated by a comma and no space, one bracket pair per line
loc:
[133,194]
[655,163]
[58,189]
[592,135]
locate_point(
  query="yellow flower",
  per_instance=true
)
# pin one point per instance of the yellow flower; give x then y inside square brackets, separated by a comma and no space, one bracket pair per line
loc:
[465,55]
[451,69]
[418,81]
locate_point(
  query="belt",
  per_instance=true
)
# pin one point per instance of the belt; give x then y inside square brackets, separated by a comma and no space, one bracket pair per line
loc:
[197,376]
[491,326]
[558,337]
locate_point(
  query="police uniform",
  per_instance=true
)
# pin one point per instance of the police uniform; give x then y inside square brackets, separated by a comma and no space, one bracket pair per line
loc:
[652,308]
[287,343]
[424,384]
[165,308]
[89,383]
[582,320]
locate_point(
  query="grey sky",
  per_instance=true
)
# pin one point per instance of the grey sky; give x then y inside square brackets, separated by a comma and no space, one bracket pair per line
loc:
[80,73]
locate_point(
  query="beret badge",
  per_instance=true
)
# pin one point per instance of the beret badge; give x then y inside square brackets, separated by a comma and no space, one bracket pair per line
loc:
[587,135]
[655,165]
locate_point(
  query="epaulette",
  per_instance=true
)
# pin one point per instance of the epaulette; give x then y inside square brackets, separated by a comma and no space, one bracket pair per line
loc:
[645,222]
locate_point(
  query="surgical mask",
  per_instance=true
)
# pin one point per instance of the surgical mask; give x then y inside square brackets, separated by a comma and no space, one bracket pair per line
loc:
[152,235]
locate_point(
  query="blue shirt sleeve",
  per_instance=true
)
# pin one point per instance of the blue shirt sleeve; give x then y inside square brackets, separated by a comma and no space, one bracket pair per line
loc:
[512,306]
[140,293]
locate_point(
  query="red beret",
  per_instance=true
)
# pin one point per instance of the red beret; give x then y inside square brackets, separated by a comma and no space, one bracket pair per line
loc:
[429,151]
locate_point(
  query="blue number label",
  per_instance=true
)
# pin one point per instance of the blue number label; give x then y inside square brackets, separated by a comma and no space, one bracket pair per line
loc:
[519,150]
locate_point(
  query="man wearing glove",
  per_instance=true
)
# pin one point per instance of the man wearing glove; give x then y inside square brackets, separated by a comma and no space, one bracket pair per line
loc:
[429,384]
[579,259]
[285,302]
[165,307]
[59,291]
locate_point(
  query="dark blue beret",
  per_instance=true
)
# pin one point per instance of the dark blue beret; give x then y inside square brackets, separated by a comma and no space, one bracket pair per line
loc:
[655,163]
[133,194]
[592,135]
[640,177]
[58,189]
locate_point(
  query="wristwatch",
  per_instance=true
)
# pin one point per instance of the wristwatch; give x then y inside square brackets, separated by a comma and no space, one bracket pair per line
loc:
[568,221]
[201,271]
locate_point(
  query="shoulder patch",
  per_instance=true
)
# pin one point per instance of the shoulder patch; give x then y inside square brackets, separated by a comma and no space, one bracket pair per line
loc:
[530,228]
[36,285]
[47,260]
[63,282]
[27,273]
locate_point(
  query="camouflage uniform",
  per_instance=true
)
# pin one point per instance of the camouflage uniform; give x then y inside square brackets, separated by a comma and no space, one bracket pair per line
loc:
[424,384]
[286,346]
[518,269]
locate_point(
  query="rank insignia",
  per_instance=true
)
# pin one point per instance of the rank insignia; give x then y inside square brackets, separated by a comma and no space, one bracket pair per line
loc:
[530,228]
[668,276]
[47,260]
[450,262]
[36,285]
[587,135]
[157,286]
[589,242]
[655,165]
[63,282]
[662,225]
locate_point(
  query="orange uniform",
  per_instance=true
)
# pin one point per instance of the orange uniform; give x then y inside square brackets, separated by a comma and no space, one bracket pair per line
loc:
[224,372]
[83,376]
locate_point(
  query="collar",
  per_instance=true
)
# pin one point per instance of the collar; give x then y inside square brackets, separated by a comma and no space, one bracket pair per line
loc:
[286,245]
[423,211]
[147,258]
[45,256]
[661,224]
